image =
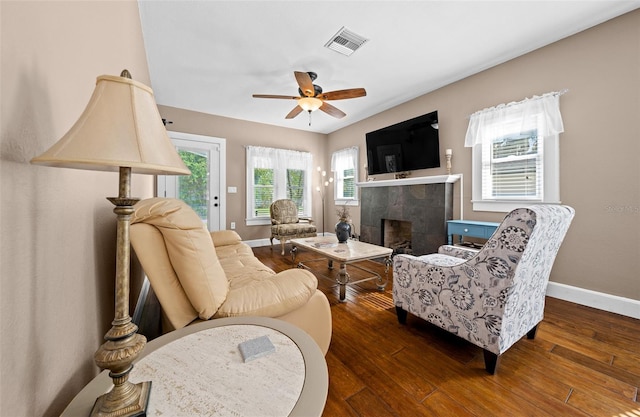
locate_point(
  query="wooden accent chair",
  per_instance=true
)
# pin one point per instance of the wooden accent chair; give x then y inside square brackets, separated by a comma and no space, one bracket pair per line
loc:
[286,225]
[491,297]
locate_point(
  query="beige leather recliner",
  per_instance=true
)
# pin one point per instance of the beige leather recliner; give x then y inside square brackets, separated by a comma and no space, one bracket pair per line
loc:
[200,275]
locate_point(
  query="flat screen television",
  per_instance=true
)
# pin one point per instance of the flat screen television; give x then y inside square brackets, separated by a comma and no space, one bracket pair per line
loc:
[405,146]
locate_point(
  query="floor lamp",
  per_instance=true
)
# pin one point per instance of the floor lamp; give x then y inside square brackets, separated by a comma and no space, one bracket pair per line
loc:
[322,192]
[120,130]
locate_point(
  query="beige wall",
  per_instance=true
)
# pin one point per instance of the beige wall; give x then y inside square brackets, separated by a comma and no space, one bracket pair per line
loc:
[58,230]
[599,150]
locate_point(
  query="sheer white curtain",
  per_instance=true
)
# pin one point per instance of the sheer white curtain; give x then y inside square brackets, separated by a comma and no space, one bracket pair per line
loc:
[516,153]
[280,160]
[344,159]
[263,157]
[260,157]
[539,112]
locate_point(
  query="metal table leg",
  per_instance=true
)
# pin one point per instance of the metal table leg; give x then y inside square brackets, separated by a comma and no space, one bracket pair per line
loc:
[342,279]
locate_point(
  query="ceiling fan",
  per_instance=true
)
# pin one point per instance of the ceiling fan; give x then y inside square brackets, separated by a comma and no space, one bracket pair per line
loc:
[312,98]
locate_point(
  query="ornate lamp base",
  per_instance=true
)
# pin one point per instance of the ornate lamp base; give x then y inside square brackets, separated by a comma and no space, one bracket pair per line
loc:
[103,405]
[123,343]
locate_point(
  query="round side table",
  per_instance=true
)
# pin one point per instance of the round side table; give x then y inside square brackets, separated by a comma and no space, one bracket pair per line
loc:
[198,370]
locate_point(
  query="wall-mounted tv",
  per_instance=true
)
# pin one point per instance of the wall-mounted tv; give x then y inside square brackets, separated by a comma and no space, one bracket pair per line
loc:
[405,146]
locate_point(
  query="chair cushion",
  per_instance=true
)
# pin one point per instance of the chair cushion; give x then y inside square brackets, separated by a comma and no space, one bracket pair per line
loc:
[261,294]
[293,229]
[439,259]
[191,251]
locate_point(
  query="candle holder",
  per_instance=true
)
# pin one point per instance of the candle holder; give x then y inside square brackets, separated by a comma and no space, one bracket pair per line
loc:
[448,153]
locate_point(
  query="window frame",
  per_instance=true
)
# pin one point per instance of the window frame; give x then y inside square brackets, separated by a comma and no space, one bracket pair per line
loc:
[280,160]
[550,179]
[539,114]
[339,176]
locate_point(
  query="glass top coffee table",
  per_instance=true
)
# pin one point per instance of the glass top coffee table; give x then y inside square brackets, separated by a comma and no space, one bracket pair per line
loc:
[344,253]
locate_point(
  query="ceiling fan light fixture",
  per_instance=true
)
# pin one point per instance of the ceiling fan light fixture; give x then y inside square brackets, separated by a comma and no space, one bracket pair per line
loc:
[310,103]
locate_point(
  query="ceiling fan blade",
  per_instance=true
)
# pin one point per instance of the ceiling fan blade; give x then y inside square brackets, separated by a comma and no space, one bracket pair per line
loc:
[293,113]
[305,83]
[343,94]
[332,111]
[275,96]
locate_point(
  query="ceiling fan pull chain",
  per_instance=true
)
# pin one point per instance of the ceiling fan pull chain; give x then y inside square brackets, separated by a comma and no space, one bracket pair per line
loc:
[309,117]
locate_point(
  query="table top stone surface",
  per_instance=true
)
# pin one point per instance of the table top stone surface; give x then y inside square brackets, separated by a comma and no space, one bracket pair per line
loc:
[204,374]
[349,251]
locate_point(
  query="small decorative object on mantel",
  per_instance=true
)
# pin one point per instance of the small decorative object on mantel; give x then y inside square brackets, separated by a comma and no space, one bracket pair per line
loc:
[343,227]
[448,153]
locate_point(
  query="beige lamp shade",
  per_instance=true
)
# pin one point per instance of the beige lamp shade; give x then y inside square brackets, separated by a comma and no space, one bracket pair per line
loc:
[120,127]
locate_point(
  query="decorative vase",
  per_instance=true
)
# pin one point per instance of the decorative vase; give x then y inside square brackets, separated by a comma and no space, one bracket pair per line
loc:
[343,231]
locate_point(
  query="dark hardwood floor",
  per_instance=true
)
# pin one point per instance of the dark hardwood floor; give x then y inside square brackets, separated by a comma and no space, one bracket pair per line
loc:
[583,361]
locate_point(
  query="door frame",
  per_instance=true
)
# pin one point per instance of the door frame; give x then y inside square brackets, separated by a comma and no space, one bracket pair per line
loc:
[222,168]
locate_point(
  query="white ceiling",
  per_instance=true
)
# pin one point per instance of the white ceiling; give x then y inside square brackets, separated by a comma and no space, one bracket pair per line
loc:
[211,56]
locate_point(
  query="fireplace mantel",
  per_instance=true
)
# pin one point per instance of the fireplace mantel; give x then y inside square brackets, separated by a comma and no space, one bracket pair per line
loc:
[434,179]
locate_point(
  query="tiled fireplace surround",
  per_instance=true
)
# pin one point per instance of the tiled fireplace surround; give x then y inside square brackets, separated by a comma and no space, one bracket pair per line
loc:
[425,202]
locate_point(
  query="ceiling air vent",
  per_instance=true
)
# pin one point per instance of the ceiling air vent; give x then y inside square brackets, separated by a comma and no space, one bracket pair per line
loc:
[345,42]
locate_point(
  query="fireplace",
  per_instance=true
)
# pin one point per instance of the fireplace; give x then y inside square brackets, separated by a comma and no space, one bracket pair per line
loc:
[425,204]
[396,234]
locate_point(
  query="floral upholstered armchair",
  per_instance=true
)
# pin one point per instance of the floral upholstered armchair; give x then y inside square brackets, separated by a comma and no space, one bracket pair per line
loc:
[285,223]
[491,297]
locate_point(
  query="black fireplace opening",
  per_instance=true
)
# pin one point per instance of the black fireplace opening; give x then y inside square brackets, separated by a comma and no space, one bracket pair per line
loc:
[396,234]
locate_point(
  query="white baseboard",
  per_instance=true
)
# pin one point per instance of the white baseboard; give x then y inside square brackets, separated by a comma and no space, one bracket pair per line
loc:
[261,242]
[607,302]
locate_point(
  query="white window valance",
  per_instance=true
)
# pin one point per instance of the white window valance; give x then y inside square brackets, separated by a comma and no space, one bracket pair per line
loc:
[344,159]
[274,158]
[539,112]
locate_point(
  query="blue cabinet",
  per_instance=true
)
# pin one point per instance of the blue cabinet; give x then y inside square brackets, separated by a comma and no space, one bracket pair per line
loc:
[470,228]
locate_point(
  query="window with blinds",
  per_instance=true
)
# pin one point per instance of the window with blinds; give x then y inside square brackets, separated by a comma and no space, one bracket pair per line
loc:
[348,183]
[513,168]
[515,153]
[295,188]
[263,190]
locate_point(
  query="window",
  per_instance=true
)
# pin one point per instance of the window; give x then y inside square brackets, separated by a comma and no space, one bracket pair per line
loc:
[273,174]
[344,164]
[513,168]
[515,154]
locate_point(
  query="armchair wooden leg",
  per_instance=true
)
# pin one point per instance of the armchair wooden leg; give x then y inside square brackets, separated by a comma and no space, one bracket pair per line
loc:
[532,333]
[402,315]
[491,361]
[282,242]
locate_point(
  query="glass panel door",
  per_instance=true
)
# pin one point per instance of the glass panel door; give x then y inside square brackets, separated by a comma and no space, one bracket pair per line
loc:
[203,190]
